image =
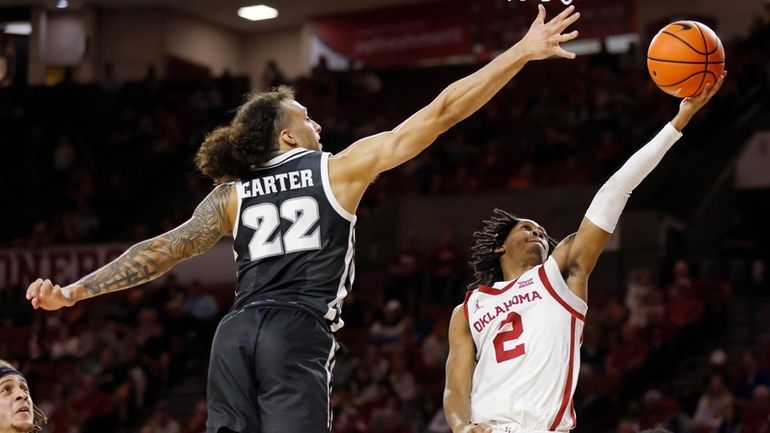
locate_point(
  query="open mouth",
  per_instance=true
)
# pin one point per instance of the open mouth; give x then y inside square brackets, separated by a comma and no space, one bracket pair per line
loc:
[23,409]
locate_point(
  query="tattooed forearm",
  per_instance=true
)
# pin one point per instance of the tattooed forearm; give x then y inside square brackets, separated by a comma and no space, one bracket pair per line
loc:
[150,259]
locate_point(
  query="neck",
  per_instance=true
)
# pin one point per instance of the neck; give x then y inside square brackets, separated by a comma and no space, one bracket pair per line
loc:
[514,270]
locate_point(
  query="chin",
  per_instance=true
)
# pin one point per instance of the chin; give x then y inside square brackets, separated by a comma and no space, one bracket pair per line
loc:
[536,250]
[24,426]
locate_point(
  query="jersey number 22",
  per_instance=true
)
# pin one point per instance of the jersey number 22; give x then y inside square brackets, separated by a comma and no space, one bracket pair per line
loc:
[265,219]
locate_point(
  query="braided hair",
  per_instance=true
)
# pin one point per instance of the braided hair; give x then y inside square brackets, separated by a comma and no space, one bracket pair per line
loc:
[484,260]
[234,151]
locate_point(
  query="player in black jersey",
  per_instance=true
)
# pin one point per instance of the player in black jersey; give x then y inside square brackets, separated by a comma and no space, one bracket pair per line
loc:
[290,209]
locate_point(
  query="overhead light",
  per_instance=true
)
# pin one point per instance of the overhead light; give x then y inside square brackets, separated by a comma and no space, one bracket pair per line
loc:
[256,13]
[18,28]
[62,4]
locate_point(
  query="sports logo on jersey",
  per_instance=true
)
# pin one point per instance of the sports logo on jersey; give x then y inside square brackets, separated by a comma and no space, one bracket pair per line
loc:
[525,283]
[478,307]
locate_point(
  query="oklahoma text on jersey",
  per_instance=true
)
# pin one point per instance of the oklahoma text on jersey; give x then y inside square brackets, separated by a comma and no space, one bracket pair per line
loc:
[504,307]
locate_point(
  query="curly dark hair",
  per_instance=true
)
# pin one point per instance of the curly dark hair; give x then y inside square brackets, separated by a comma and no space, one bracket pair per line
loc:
[234,151]
[484,260]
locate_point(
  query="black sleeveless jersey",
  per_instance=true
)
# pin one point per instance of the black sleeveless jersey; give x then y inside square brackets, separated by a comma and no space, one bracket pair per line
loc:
[293,241]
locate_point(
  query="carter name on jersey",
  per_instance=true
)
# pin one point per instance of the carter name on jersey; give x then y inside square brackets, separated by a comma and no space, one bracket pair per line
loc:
[503,308]
[278,183]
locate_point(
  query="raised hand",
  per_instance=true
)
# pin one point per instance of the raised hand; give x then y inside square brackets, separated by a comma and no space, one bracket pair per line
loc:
[695,103]
[543,39]
[689,106]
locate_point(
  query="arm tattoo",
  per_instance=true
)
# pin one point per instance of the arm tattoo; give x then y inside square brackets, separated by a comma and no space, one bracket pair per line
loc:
[150,259]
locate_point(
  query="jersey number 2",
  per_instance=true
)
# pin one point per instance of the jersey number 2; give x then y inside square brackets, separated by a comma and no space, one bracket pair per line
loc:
[265,219]
[502,337]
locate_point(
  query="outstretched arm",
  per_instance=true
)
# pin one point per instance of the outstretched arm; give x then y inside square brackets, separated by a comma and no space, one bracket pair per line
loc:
[147,260]
[460,365]
[353,169]
[577,255]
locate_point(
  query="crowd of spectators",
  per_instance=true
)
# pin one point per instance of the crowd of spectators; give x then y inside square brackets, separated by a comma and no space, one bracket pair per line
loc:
[88,154]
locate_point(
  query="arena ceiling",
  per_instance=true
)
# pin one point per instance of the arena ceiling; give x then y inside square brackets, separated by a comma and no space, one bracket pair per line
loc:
[223,12]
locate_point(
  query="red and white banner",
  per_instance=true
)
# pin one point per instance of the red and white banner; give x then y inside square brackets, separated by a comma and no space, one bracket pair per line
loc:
[400,34]
[439,29]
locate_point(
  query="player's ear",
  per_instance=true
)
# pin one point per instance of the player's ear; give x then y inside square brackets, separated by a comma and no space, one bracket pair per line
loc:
[286,136]
[500,250]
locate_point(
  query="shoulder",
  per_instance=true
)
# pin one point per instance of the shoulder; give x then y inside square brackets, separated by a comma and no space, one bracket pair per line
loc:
[459,331]
[459,315]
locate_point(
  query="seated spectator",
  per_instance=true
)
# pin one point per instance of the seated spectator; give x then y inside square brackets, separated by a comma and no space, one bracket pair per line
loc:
[715,407]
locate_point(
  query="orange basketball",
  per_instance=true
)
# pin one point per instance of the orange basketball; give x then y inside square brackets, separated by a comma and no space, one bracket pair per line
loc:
[685,56]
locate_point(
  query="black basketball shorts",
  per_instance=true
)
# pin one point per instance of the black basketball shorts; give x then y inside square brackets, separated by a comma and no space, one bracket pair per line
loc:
[270,372]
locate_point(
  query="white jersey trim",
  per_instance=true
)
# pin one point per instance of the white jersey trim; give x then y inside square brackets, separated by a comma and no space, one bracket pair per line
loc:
[334,313]
[328,190]
[284,157]
[329,367]
[239,192]
[552,279]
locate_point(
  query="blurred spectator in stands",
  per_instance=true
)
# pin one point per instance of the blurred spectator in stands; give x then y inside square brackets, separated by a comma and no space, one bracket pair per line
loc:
[376,362]
[114,379]
[662,411]
[685,308]
[386,418]
[161,421]
[750,376]
[391,330]
[404,274]
[446,270]
[92,406]
[755,413]
[345,413]
[715,408]
[201,305]
[627,425]
[611,315]
[402,380]
[63,154]
[627,354]
[273,75]
[197,421]
[66,345]
[594,349]
[643,299]
[523,178]
[435,347]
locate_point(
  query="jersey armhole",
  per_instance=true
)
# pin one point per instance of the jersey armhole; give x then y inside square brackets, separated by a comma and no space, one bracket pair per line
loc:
[239,193]
[328,190]
[555,285]
[465,304]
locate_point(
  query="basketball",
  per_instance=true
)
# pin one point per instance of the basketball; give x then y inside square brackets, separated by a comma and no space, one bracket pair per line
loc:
[685,56]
